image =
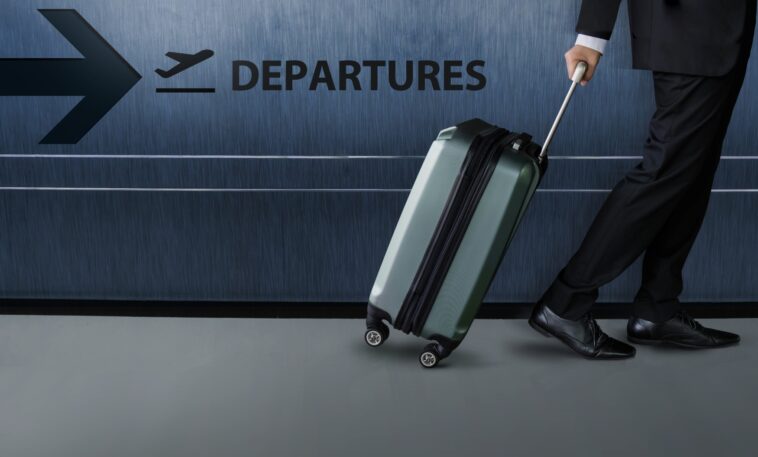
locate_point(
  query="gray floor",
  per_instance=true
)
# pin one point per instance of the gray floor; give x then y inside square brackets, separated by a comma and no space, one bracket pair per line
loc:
[115,386]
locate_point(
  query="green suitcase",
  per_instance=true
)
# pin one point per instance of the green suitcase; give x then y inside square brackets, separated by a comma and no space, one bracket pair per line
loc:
[462,212]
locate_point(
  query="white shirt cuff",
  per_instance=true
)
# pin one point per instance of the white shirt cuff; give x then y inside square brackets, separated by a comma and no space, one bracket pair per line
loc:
[598,44]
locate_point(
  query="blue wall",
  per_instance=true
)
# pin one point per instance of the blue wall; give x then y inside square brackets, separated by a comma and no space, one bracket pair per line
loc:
[251,196]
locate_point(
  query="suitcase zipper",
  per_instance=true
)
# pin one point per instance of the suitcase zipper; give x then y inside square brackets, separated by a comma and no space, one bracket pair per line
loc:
[463,199]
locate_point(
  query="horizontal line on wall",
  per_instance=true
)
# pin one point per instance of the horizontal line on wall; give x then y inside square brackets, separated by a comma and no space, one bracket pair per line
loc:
[179,189]
[313,310]
[636,157]
[608,190]
[167,189]
[293,157]
[201,157]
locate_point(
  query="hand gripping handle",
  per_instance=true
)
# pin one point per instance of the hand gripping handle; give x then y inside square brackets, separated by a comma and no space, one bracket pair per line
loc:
[581,68]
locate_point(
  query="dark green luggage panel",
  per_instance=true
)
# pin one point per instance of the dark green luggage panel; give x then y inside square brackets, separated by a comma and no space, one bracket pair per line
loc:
[475,260]
[421,214]
[495,220]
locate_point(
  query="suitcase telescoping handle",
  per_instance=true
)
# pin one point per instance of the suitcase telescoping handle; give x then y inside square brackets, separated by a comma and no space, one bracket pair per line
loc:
[581,68]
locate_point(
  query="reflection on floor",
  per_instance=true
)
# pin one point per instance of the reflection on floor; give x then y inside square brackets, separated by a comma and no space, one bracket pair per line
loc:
[118,386]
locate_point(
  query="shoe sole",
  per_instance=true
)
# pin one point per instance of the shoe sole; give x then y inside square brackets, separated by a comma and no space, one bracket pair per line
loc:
[676,343]
[544,332]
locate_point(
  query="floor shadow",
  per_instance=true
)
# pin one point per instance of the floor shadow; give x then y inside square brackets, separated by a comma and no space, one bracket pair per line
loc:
[464,358]
[554,350]
[671,349]
[393,350]
[547,350]
[410,350]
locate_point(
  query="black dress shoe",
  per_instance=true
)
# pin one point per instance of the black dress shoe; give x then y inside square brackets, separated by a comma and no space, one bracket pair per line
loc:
[680,330]
[583,336]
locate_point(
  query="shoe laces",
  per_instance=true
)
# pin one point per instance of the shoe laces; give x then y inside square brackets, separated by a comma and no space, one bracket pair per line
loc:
[597,334]
[687,319]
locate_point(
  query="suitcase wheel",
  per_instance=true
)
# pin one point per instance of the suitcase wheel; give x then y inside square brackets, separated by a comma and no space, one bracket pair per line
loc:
[376,335]
[430,357]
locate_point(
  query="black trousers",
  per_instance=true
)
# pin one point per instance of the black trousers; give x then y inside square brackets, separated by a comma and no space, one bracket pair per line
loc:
[659,206]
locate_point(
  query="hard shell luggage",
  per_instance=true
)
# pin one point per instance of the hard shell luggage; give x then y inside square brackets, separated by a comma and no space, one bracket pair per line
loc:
[464,207]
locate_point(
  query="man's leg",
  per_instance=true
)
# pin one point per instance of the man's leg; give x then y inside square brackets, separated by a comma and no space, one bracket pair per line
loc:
[690,112]
[658,297]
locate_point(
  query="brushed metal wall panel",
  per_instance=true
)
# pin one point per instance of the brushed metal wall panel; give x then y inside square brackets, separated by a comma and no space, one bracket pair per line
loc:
[243,246]
[396,173]
[313,245]
[302,246]
[521,41]
[279,173]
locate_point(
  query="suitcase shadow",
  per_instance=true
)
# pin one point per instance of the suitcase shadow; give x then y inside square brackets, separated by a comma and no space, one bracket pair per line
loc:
[408,352]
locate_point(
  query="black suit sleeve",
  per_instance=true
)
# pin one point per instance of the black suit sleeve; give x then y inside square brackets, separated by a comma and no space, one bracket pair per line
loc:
[597,18]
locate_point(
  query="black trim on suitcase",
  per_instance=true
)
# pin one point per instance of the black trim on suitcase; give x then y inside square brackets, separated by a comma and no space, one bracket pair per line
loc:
[476,171]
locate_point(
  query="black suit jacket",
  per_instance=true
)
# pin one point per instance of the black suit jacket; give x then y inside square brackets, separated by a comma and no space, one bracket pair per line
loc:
[697,37]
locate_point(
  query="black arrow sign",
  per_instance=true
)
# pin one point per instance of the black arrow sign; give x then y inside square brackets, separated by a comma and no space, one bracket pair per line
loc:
[103,77]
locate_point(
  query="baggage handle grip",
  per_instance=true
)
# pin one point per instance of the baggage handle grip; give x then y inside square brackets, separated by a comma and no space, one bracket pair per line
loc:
[581,68]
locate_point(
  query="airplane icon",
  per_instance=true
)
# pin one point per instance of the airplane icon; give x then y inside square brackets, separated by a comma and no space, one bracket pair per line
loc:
[186,61]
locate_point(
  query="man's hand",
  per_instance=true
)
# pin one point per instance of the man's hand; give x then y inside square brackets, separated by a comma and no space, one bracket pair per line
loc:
[582,53]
